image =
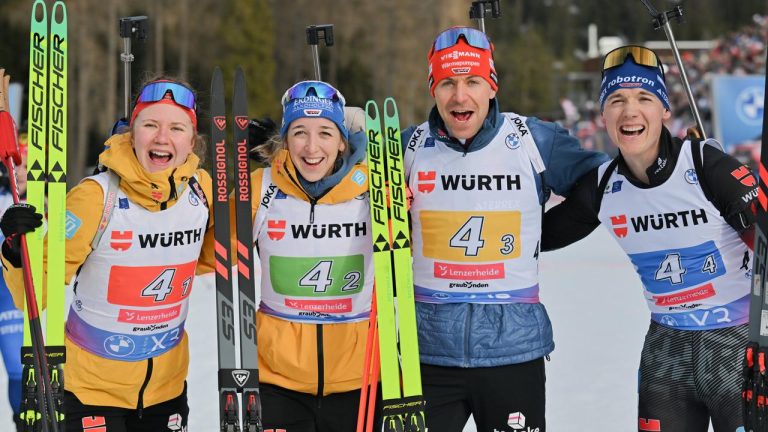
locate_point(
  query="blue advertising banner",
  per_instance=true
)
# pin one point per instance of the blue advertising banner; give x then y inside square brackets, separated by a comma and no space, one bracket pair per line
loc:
[738,105]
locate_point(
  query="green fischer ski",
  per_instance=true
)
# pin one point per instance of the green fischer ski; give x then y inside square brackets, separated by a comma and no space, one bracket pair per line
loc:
[403,405]
[37,125]
[32,400]
[47,137]
[57,202]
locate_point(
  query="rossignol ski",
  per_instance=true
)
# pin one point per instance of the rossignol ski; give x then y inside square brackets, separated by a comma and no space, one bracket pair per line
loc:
[42,400]
[755,391]
[234,379]
[403,404]
[248,375]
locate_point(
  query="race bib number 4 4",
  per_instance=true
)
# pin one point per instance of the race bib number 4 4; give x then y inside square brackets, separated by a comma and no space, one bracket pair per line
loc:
[479,236]
[673,270]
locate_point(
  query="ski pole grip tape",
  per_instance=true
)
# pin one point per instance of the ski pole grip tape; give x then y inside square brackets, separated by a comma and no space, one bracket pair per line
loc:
[9,147]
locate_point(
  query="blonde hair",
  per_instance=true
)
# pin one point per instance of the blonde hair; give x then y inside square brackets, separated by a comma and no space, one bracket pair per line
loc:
[269,150]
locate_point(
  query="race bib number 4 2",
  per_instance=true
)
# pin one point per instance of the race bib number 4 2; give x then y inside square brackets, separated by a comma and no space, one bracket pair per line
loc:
[479,236]
[317,276]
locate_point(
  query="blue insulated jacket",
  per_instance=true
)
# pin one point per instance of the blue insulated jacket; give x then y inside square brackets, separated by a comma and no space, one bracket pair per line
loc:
[486,335]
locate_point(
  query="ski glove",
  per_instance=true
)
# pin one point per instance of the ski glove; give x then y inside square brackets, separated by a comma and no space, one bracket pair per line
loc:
[259,132]
[18,219]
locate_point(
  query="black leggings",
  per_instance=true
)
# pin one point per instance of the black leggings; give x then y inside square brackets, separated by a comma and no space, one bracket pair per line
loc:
[502,398]
[166,416]
[689,377]
[293,411]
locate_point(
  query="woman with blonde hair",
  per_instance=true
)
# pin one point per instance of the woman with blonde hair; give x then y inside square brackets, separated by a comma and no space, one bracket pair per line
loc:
[136,235]
[313,236]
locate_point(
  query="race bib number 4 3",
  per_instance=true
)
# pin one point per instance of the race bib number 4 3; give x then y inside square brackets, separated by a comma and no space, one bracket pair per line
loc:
[479,236]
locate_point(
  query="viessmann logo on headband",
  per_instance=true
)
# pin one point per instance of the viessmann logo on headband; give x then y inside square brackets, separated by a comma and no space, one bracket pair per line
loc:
[457,54]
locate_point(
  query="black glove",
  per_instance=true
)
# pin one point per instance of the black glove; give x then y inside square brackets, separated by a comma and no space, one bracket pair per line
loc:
[259,132]
[18,219]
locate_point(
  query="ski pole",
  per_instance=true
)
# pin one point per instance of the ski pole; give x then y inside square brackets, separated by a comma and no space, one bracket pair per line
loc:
[314,34]
[130,27]
[480,8]
[9,152]
[370,372]
[661,20]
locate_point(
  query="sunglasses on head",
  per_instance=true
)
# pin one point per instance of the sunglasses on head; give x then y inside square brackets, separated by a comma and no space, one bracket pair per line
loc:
[450,37]
[641,55]
[312,88]
[157,91]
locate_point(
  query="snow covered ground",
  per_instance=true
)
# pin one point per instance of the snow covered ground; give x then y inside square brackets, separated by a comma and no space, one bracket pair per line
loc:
[596,305]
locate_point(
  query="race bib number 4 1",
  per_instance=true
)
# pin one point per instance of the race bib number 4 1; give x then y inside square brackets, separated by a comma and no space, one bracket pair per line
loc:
[479,236]
[150,285]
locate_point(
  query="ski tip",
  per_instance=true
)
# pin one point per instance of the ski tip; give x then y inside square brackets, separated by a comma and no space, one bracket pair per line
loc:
[218,77]
[60,9]
[39,7]
[390,107]
[372,110]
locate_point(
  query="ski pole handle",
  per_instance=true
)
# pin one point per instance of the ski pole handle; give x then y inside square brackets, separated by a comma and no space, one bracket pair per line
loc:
[314,34]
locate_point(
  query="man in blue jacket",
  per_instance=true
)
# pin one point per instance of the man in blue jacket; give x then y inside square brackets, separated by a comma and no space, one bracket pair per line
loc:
[479,179]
